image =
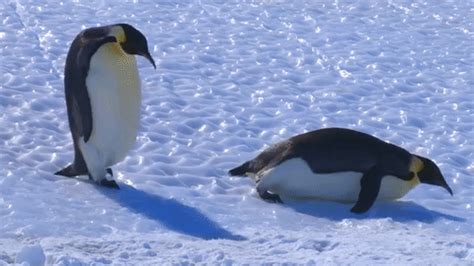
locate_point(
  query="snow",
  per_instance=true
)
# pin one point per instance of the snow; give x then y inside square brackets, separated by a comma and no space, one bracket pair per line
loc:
[31,255]
[231,79]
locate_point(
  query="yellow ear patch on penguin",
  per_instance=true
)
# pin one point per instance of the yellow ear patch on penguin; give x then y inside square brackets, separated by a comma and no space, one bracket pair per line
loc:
[416,165]
[118,33]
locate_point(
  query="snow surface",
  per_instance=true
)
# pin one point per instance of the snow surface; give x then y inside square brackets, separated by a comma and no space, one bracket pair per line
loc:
[31,255]
[233,78]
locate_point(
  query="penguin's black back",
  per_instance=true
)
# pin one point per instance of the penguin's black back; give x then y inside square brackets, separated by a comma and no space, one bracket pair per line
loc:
[332,150]
[78,104]
[78,59]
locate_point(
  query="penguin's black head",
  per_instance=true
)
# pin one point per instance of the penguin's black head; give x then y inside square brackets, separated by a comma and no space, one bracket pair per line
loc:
[135,43]
[430,174]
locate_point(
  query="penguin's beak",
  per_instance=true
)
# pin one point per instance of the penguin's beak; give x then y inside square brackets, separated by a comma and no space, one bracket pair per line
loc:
[148,56]
[430,174]
[442,183]
[448,189]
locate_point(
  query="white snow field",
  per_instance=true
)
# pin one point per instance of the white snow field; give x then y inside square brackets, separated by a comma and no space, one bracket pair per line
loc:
[234,77]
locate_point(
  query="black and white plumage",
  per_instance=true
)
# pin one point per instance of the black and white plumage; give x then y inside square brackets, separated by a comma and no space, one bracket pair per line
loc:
[340,165]
[103,97]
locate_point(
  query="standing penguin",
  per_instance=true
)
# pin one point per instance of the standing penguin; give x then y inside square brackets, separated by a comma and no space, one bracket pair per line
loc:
[340,165]
[102,89]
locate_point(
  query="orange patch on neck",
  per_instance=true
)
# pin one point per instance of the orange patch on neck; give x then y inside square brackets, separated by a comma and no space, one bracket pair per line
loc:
[416,165]
[118,33]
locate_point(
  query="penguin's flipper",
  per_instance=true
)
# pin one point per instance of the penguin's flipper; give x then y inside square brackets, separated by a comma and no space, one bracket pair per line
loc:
[109,183]
[76,93]
[369,190]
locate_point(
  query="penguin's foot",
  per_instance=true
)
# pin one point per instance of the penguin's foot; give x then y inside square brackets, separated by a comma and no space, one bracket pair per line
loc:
[270,197]
[109,171]
[109,183]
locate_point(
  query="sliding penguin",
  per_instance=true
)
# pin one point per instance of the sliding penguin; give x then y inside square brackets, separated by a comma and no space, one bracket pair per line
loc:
[102,89]
[340,165]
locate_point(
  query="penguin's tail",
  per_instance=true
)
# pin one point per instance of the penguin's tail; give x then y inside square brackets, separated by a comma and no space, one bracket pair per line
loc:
[241,170]
[68,171]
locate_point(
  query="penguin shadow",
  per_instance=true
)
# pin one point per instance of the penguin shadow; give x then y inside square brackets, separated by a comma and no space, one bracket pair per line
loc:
[171,213]
[400,211]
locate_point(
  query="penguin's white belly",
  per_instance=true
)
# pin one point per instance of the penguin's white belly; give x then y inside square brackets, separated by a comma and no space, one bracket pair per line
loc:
[294,179]
[113,85]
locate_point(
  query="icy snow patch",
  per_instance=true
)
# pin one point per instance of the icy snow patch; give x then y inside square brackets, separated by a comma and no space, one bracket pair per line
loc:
[31,256]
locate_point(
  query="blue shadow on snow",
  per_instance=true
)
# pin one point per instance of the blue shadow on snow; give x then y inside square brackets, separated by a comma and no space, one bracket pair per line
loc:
[400,211]
[169,212]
